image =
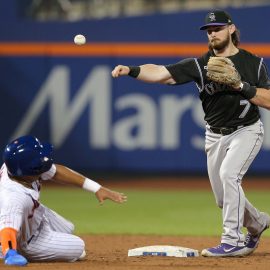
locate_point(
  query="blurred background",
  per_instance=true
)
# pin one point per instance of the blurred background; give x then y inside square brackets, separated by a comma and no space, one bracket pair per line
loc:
[64,94]
[87,9]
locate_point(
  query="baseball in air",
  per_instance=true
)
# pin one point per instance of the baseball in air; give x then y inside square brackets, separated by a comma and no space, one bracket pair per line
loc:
[79,39]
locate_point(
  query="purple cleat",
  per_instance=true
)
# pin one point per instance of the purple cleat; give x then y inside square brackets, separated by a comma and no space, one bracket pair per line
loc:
[252,241]
[225,250]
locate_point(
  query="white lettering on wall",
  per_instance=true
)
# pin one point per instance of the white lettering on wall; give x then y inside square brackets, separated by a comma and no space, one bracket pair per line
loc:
[198,141]
[143,123]
[148,125]
[172,109]
[65,113]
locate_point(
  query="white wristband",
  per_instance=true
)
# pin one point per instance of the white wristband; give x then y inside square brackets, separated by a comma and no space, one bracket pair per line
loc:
[91,185]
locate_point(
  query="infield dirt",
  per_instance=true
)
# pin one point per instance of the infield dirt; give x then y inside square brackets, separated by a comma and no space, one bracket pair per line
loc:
[109,252]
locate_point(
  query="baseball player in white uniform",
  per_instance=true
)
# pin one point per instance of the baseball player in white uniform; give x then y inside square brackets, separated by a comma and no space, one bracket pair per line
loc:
[29,231]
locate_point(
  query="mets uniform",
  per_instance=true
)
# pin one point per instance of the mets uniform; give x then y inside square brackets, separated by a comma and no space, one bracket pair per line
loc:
[30,231]
[43,235]
[234,135]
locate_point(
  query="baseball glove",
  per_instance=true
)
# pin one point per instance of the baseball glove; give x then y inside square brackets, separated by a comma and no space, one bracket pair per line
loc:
[222,70]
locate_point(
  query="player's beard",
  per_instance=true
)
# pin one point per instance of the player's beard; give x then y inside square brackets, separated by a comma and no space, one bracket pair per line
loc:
[218,45]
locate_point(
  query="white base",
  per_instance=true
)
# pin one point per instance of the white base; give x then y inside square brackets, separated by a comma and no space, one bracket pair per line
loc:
[169,251]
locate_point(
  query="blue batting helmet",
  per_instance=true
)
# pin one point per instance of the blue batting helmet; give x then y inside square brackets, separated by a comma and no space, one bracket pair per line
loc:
[26,155]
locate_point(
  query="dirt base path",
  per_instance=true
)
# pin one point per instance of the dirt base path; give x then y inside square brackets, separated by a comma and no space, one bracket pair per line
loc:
[110,253]
[105,252]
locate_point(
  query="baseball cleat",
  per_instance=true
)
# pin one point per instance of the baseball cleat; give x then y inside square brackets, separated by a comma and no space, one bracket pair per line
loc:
[225,250]
[252,241]
[12,257]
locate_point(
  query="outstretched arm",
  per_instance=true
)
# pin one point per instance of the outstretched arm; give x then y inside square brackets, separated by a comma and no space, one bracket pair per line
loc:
[68,176]
[148,73]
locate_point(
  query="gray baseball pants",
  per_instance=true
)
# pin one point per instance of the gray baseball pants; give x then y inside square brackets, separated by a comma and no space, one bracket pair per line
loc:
[228,159]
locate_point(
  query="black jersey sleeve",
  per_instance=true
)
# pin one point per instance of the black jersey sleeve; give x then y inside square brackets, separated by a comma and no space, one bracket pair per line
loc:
[184,71]
[264,80]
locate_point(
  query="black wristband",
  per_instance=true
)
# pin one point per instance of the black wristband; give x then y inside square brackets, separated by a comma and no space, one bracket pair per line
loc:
[248,91]
[134,71]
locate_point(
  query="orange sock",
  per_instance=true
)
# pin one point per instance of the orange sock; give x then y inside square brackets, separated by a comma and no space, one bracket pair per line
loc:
[8,239]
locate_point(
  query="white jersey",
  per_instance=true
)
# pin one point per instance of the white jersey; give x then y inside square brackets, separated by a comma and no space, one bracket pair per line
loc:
[43,235]
[19,206]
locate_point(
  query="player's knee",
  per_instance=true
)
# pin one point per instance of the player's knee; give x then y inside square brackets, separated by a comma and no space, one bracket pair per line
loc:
[225,175]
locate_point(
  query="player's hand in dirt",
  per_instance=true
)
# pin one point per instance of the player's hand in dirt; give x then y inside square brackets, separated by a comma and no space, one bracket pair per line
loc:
[120,71]
[104,193]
